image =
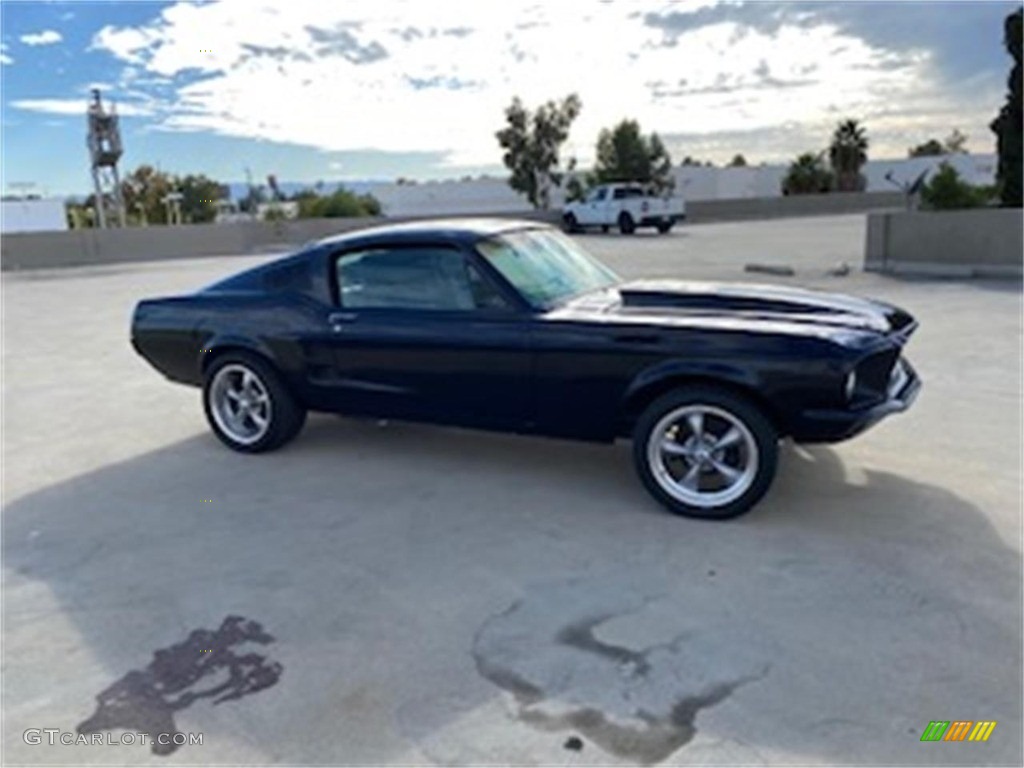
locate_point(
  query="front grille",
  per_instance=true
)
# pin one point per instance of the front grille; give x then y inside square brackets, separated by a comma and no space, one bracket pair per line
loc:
[874,372]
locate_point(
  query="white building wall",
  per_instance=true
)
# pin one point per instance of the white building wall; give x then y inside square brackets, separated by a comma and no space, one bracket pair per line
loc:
[493,195]
[33,215]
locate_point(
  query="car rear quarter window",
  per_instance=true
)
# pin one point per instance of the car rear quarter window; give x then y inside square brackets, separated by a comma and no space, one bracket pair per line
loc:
[292,275]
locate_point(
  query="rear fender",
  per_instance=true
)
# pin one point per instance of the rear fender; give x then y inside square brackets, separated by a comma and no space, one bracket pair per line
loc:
[221,343]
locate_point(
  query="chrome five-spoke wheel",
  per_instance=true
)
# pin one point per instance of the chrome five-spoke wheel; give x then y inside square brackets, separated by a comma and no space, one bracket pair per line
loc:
[705,451]
[240,404]
[702,455]
[248,405]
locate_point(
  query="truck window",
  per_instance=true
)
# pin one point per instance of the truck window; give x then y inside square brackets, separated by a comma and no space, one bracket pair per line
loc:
[622,193]
[598,194]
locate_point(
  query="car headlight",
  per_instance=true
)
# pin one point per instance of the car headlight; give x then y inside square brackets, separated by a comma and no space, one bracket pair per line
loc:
[851,385]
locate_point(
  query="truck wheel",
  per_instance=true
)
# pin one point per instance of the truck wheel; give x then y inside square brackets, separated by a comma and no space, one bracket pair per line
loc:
[604,229]
[664,227]
[570,224]
[626,224]
[705,452]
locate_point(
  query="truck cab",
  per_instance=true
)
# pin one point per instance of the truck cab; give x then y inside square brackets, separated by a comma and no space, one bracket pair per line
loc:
[626,206]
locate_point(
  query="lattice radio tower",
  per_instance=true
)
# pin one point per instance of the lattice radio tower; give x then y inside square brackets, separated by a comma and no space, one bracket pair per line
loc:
[105,149]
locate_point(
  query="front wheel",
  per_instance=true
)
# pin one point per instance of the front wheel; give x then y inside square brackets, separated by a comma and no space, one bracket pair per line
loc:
[664,227]
[570,224]
[626,224]
[247,404]
[704,452]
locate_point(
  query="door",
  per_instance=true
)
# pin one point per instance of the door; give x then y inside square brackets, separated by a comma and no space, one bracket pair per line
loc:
[593,212]
[422,333]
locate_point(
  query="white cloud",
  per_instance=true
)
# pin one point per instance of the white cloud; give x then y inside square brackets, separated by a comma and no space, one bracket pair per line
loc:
[4,58]
[75,107]
[411,76]
[46,37]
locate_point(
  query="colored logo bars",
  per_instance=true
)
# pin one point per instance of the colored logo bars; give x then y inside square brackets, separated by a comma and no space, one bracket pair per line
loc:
[958,730]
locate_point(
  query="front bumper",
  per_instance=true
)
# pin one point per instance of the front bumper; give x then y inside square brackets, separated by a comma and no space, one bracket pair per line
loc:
[832,426]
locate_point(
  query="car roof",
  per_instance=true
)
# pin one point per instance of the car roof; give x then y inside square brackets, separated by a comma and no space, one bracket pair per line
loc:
[470,229]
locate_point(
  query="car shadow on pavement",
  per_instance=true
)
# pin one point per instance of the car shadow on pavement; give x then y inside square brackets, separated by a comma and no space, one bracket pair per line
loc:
[373,554]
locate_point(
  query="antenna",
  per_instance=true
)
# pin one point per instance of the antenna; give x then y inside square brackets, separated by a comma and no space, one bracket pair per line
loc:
[105,149]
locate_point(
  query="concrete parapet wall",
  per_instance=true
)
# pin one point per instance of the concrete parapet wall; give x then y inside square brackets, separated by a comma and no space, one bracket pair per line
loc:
[985,242]
[834,203]
[44,250]
[82,247]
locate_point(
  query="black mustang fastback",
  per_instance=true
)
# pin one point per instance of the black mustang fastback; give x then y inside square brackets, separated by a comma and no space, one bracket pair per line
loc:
[511,326]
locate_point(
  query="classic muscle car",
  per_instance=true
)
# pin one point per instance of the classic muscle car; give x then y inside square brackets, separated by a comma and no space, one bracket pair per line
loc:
[511,326]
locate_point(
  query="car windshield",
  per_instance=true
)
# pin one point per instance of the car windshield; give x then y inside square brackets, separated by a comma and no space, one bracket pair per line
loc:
[545,266]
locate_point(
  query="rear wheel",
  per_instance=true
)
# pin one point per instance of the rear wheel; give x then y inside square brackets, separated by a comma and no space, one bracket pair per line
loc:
[626,224]
[705,452]
[605,228]
[664,227]
[247,404]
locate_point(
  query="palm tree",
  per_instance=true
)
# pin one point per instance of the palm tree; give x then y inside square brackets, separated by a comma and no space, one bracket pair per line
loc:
[847,153]
[807,176]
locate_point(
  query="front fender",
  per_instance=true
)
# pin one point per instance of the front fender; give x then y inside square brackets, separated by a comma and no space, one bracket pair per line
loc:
[673,370]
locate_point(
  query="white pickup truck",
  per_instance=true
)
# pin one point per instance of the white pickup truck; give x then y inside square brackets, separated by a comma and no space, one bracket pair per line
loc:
[626,206]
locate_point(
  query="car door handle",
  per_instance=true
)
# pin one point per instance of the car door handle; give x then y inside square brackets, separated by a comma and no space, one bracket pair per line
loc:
[338,319]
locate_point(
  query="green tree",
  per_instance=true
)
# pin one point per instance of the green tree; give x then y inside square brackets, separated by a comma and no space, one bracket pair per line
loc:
[807,175]
[80,215]
[954,144]
[947,191]
[577,186]
[847,154]
[1009,124]
[738,161]
[199,198]
[144,190]
[531,142]
[339,204]
[930,148]
[625,154]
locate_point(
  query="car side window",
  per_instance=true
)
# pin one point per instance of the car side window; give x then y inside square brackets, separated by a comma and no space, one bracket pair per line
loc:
[422,278]
[600,194]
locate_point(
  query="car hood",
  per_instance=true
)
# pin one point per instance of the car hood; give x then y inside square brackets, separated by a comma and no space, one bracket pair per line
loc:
[675,302]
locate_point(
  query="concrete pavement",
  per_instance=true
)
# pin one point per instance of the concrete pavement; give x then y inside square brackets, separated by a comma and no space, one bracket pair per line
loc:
[442,596]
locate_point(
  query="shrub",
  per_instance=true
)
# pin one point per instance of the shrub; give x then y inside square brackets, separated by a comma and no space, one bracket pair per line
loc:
[339,204]
[946,191]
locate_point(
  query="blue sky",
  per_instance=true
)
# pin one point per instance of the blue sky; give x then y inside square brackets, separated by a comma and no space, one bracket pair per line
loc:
[314,90]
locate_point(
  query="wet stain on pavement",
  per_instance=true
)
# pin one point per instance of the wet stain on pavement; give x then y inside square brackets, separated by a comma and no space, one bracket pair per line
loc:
[580,635]
[144,701]
[624,700]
